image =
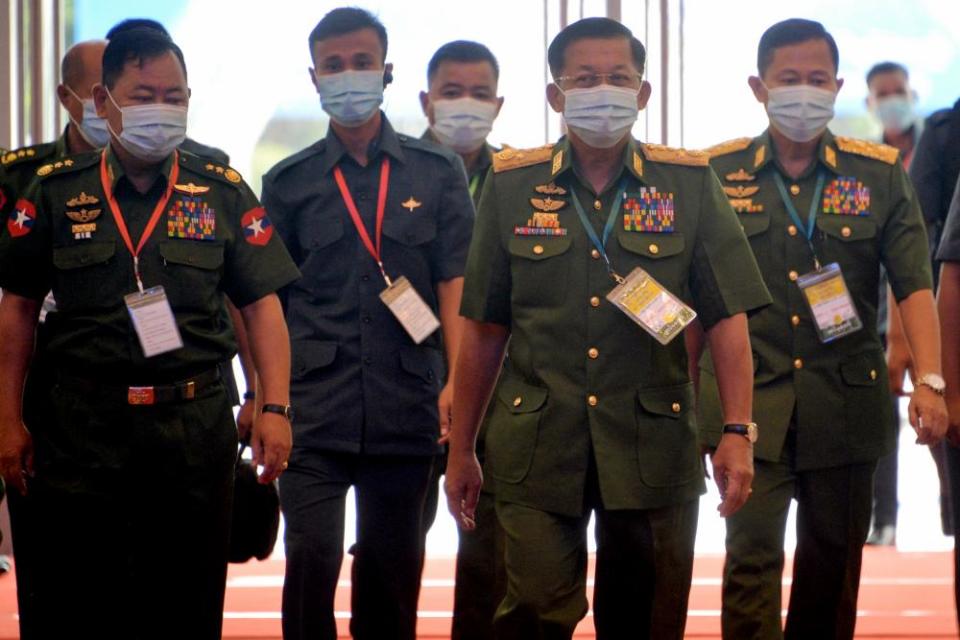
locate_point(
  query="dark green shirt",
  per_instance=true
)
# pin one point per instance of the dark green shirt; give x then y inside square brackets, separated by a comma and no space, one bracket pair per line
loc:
[835,394]
[213,238]
[583,379]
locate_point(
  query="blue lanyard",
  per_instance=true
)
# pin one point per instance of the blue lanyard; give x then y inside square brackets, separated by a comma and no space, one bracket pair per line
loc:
[808,228]
[607,229]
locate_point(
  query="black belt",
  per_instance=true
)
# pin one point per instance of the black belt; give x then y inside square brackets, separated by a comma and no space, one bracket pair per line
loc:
[154,394]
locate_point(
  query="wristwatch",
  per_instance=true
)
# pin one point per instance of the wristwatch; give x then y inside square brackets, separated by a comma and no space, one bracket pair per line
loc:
[935,382]
[747,430]
[284,410]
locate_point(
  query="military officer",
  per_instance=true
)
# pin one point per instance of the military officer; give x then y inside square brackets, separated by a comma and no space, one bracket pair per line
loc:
[594,413]
[139,244]
[461,104]
[822,214]
[379,224]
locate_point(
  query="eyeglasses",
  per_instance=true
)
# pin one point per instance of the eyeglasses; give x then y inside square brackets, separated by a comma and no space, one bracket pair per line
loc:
[590,80]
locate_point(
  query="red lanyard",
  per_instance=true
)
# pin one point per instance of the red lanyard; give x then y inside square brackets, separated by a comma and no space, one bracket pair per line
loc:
[154,217]
[374,250]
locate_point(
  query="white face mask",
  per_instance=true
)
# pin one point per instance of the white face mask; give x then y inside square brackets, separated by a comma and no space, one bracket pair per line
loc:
[351,97]
[151,132]
[92,128]
[801,112]
[463,124]
[600,116]
[896,113]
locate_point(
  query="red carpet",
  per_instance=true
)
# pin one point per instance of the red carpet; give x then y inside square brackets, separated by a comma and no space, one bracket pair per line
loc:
[903,595]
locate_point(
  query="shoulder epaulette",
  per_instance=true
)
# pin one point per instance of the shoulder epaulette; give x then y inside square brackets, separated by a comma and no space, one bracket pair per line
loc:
[730,146]
[210,168]
[429,146]
[295,159]
[671,155]
[69,163]
[882,152]
[33,153]
[510,158]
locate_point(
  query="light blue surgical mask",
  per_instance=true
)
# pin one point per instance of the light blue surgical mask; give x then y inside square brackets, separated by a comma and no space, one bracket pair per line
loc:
[351,97]
[600,116]
[463,124]
[151,132]
[800,112]
[92,128]
[895,113]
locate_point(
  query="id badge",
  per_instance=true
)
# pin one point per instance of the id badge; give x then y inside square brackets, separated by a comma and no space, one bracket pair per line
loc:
[409,309]
[153,321]
[830,303]
[649,304]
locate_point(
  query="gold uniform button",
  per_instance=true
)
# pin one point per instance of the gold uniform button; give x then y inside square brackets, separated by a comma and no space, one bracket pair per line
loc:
[592,401]
[873,374]
[794,189]
[594,254]
[597,205]
[795,320]
[538,249]
[517,401]
[676,407]
[593,353]
[594,302]
[654,249]
[792,230]
[798,364]
[845,232]
[793,275]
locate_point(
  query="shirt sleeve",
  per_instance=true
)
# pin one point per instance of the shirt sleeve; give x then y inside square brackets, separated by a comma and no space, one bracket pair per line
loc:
[949,250]
[487,284]
[904,249]
[454,226]
[257,263]
[724,277]
[26,256]
[926,174]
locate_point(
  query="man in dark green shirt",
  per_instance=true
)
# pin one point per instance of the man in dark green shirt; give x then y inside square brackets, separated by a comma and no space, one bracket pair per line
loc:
[593,414]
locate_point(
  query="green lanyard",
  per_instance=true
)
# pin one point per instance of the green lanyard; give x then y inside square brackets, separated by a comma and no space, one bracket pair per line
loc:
[474,182]
[607,229]
[808,228]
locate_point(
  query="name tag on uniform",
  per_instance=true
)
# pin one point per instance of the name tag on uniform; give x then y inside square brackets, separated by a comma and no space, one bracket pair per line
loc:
[409,309]
[830,303]
[153,321]
[649,304]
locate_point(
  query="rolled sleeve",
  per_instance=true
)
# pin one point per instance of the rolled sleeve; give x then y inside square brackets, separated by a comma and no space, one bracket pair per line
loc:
[455,223]
[904,248]
[486,288]
[949,250]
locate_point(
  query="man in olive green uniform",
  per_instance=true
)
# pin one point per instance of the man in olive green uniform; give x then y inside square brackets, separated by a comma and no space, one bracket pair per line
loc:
[592,413]
[461,104]
[822,213]
[139,244]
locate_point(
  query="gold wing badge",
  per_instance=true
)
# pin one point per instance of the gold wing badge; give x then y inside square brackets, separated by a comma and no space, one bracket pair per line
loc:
[411,204]
[190,189]
[547,204]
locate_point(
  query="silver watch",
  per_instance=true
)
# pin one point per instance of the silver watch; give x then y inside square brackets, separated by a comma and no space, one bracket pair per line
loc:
[934,382]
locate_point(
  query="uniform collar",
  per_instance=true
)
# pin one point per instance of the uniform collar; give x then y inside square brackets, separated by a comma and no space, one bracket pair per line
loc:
[386,141]
[763,153]
[562,158]
[115,169]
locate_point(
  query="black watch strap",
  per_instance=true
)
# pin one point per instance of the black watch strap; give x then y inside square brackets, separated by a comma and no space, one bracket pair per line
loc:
[748,430]
[284,410]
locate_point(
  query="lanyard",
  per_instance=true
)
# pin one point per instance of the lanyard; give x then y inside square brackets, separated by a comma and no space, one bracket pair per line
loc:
[474,183]
[607,228]
[373,250]
[808,228]
[154,217]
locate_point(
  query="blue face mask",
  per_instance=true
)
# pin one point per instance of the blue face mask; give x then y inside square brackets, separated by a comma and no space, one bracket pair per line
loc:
[92,128]
[151,132]
[351,97]
[896,113]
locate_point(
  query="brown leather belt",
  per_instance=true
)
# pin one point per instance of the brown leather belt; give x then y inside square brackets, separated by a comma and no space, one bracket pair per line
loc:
[146,395]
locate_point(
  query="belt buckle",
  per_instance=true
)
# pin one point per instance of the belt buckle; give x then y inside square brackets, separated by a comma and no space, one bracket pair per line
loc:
[140,395]
[189,390]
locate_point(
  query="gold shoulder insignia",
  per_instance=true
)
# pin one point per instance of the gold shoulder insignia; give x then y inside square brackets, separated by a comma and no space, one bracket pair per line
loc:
[190,189]
[232,176]
[510,158]
[45,170]
[671,155]
[730,146]
[882,152]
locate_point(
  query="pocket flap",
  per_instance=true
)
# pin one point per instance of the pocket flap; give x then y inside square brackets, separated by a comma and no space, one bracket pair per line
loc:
[192,254]
[410,232]
[652,245]
[538,247]
[324,233]
[670,402]
[847,228]
[308,355]
[754,223]
[520,397]
[420,361]
[83,255]
[862,369]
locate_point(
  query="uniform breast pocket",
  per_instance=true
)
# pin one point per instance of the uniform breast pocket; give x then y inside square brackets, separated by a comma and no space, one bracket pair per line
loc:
[87,276]
[191,274]
[407,244]
[322,250]
[540,269]
[756,227]
[850,241]
[656,253]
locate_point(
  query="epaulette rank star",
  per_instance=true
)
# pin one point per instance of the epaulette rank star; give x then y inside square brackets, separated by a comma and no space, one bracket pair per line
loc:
[47,169]
[19,154]
[226,172]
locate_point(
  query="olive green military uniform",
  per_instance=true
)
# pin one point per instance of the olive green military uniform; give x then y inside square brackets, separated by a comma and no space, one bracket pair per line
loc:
[134,464]
[823,409]
[592,413]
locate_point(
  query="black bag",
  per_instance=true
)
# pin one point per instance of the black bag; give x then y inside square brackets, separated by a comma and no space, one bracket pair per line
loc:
[256,514]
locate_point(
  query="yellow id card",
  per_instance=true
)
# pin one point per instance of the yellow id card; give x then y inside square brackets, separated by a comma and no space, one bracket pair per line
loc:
[833,309]
[649,304]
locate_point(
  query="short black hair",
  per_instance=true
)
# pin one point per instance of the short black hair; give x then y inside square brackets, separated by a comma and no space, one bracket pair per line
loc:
[136,23]
[592,28]
[136,45]
[793,31]
[347,20]
[886,67]
[462,51]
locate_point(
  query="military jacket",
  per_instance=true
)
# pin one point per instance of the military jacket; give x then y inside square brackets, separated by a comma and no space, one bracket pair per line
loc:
[583,379]
[477,175]
[359,383]
[18,170]
[212,239]
[835,394]
[949,250]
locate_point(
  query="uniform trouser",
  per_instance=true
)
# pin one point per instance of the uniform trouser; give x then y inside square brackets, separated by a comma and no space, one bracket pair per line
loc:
[145,494]
[388,556]
[643,572]
[952,455]
[885,479]
[833,516]
[481,582]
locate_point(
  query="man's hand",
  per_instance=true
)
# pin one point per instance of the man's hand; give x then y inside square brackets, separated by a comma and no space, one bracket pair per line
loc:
[928,415]
[245,419]
[16,455]
[733,472]
[445,405]
[271,443]
[462,486]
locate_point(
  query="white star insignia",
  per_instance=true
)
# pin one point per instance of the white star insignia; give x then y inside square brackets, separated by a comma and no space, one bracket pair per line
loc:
[22,218]
[256,226]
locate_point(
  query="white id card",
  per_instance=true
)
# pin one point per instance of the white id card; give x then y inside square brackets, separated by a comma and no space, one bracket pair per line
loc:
[410,309]
[830,303]
[153,321]
[647,303]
